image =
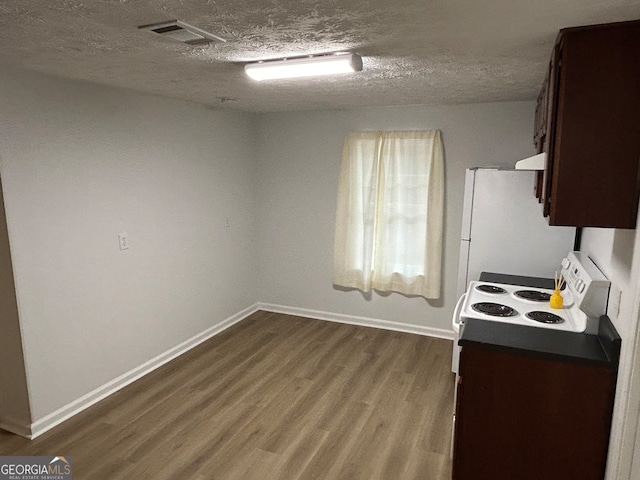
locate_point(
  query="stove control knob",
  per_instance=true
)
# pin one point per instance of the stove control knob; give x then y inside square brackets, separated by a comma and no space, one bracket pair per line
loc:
[566,263]
[580,286]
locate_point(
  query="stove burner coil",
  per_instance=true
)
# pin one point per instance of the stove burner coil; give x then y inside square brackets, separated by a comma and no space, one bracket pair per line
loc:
[533,295]
[494,309]
[544,317]
[490,289]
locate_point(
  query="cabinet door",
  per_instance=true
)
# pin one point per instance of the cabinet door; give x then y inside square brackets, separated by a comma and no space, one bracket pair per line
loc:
[593,149]
[526,418]
[540,120]
[550,137]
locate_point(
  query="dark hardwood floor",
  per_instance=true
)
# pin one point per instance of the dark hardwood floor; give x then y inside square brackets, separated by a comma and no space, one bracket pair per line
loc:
[273,397]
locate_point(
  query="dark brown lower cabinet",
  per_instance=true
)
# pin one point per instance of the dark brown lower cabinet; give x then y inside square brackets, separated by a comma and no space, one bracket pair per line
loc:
[521,417]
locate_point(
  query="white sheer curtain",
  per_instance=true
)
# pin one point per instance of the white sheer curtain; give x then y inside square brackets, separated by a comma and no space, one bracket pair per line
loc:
[390,212]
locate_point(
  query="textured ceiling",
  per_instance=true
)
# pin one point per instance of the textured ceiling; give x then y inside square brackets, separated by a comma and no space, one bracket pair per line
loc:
[414,51]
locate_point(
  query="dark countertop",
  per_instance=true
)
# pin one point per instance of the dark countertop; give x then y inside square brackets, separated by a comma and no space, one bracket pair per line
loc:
[602,349]
[543,342]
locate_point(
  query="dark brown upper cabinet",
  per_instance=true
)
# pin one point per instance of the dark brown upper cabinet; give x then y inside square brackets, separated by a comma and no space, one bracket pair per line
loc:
[588,123]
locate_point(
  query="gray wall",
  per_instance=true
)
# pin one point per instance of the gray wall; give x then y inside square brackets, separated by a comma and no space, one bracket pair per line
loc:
[614,250]
[300,155]
[14,396]
[81,163]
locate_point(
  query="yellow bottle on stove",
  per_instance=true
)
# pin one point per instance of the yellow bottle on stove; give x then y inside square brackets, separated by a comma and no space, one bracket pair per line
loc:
[556,300]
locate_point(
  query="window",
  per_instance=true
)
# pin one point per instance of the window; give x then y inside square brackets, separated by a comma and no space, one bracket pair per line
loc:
[390,211]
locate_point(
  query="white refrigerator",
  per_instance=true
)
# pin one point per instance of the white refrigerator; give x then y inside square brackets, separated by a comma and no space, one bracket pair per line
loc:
[503,229]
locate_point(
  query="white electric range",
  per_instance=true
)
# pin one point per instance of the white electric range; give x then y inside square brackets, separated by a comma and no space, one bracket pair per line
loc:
[585,300]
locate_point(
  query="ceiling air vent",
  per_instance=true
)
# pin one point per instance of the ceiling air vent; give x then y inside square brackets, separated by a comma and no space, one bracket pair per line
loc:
[182,32]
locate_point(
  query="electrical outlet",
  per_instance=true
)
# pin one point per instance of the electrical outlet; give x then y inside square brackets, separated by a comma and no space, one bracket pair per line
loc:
[123,240]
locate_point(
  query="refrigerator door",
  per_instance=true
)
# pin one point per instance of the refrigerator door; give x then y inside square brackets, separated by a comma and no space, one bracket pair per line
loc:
[463,266]
[468,204]
[508,231]
[465,234]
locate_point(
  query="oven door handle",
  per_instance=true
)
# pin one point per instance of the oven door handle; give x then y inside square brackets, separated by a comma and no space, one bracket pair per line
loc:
[455,320]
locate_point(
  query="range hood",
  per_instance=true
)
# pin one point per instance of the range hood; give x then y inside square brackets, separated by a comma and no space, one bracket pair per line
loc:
[532,163]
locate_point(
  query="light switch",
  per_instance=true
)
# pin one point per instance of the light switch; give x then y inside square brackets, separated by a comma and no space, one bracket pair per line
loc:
[123,240]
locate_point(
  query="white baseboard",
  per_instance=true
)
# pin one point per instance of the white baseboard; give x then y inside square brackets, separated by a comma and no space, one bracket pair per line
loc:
[55,418]
[355,320]
[46,423]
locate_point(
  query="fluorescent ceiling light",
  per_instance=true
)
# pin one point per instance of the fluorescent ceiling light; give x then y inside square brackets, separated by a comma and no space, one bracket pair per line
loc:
[304,67]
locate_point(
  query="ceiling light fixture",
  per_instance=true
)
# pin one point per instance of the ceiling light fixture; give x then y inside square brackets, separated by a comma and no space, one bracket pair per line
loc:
[304,66]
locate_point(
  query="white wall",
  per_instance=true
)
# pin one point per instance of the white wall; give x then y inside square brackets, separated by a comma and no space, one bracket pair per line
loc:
[14,396]
[300,155]
[80,163]
[612,250]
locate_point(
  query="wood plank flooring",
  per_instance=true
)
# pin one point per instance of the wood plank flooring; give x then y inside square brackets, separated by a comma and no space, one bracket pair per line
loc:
[273,397]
